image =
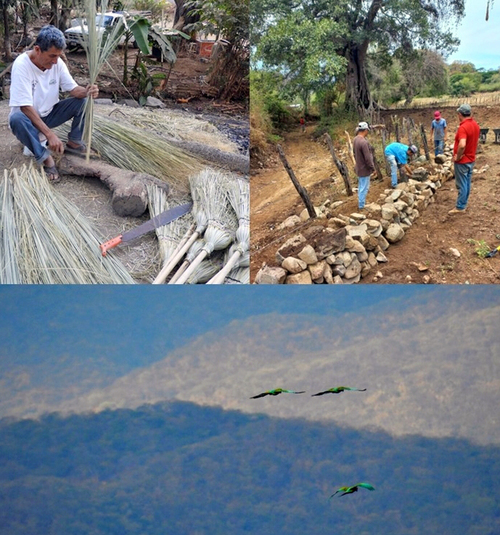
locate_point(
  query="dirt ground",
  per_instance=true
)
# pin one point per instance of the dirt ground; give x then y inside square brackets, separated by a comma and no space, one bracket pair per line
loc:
[186,83]
[427,242]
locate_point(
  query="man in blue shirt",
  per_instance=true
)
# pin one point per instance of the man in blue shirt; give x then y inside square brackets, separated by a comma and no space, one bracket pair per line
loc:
[438,128]
[397,155]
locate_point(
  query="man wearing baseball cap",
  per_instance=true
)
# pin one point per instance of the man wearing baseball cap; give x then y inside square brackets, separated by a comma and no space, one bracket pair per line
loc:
[397,155]
[438,129]
[365,166]
[464,156]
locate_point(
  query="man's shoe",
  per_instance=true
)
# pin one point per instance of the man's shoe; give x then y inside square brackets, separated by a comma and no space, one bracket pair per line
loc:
[457,211]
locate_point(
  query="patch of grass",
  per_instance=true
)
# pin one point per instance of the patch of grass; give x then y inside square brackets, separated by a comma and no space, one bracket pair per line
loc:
[481,247]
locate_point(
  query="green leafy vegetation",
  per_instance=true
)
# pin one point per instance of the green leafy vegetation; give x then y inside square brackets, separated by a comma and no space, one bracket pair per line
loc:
[184,469]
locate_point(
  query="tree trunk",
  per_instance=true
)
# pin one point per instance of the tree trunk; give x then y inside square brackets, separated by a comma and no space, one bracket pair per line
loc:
[358,97]
[6,36]
[54,17]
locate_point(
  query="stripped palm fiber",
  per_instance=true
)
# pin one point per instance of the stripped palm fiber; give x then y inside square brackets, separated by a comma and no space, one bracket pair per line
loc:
[178,125]
[239,197]
[222,220]
[207,269]
[140,151]
[238,276]
[170,235]
[53,243]
[9,267]
[201,220]
[191,255]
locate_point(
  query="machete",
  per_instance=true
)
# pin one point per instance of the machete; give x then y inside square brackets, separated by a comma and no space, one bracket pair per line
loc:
[158,221]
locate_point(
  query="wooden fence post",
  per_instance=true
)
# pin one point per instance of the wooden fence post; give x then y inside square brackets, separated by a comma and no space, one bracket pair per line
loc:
[424,141]
[341,166]
[300,189]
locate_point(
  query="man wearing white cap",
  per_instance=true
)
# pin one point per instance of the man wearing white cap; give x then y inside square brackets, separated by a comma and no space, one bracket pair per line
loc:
[464,156]
[438,129]
[364,162]
[397,155]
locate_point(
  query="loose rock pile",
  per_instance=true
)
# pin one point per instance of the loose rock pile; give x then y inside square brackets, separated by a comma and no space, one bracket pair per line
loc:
[348,248]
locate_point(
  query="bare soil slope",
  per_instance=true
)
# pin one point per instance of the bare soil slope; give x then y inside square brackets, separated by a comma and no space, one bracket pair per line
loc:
[427,242]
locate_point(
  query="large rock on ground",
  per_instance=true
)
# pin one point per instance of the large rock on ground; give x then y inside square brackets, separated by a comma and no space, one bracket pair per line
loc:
[270,275]
[291,248]
[394,233]
[293,265]
[299,278]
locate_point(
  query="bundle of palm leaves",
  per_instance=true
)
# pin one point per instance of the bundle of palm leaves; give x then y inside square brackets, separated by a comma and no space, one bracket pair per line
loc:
[98,44]
[45,239]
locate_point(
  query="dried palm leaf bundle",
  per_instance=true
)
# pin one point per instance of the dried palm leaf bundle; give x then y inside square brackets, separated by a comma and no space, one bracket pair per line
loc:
[179,125]
[222,220]
[55,244]
[171,235]
[9,267]
[207,269]
[141,151]
[239,275]
[239,197]
[138,150]
[200,218]
[98,43]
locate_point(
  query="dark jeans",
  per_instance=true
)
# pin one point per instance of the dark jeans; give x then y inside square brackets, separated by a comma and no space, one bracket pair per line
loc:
[64,110]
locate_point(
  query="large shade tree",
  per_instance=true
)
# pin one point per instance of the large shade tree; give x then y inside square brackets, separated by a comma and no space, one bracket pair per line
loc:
[403,25]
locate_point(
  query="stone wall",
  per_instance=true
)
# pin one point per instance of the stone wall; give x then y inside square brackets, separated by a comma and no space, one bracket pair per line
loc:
[348,248]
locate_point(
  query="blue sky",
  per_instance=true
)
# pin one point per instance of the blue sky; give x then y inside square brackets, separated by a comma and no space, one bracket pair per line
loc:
[479,39]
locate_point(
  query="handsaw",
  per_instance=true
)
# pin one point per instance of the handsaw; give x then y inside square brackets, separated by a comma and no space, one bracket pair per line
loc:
[158,221]
[493,252]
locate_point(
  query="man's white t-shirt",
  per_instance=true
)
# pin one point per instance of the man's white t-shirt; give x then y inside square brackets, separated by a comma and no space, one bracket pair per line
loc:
[30,86]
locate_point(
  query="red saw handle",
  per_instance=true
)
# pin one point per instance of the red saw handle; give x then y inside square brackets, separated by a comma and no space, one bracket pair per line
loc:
[105,247]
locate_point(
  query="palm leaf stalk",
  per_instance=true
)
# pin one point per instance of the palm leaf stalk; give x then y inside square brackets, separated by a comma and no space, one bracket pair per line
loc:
[201,220]
[239,197]
[169,236]
[54,243]
[222,220]
[98,44]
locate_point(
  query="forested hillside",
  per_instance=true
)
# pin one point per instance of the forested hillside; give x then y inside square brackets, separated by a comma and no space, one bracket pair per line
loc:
[178,468]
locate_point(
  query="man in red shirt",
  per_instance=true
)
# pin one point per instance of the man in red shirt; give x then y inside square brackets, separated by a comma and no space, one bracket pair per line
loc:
[464,155]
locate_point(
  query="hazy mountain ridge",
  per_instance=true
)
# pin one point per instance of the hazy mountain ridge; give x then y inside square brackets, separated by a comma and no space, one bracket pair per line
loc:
[181,468]
[426,371]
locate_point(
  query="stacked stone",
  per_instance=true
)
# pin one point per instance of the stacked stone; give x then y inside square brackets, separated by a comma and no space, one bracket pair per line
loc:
[350,247]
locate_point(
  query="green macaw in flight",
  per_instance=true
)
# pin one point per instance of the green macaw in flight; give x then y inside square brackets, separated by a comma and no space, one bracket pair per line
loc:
[339,390]
[354,488]
[276,392]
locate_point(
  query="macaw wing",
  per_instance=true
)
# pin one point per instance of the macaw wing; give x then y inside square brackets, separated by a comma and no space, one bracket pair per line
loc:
[366,486]
[260,395]
[321,393]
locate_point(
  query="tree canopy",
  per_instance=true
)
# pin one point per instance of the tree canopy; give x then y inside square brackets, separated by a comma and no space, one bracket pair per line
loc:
[308,38]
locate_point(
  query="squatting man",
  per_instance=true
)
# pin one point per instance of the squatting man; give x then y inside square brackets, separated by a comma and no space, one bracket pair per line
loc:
[37,77]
